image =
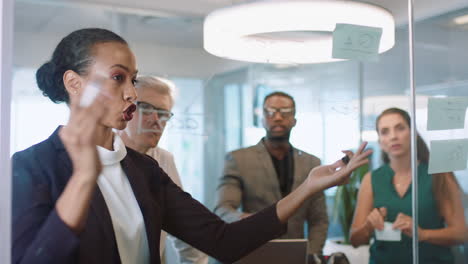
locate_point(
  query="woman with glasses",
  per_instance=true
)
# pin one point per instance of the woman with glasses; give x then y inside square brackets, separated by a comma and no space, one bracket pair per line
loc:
[385,196]
[81,196]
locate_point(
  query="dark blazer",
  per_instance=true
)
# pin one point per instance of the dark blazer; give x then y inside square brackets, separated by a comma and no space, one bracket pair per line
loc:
[40,174]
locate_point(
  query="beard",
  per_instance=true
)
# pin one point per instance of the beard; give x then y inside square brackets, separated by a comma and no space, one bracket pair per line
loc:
[279,138]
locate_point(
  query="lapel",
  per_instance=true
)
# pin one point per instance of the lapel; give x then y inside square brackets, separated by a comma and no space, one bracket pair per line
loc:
[298,173]
[63,165]
[100,210]
[143,196]
[64,169]
[98,205]
[269,175]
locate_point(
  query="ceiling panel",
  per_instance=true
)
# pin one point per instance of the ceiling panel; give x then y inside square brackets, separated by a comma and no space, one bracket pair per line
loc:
[167,23]
[176,23]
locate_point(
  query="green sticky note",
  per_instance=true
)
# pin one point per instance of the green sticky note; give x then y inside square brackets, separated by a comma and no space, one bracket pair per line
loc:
[356,42]
[446,113]
[448,155]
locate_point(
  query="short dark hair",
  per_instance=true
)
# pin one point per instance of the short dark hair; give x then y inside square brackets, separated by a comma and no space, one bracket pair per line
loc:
[422,150]
[74,52]
[283,94]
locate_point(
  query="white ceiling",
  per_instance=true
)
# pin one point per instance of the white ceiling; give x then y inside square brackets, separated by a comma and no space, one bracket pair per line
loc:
[174,27]
[176,23]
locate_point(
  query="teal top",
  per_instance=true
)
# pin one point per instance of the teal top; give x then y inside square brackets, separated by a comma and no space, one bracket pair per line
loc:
[385,195]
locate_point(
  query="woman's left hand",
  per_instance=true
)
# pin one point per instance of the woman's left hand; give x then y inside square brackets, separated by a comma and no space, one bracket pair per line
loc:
[405,224]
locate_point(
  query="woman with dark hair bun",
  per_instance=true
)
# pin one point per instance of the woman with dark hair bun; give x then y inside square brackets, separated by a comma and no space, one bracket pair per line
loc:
[81,196]
[72,53]
[385,196]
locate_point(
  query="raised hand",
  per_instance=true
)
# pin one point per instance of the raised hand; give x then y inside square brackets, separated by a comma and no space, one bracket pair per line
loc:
[320,178]
[79,136]
[338,173]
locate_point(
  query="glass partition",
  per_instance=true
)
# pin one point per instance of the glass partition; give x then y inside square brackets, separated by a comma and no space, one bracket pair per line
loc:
[6,65]
[441,83]
[219,102]
[337,105]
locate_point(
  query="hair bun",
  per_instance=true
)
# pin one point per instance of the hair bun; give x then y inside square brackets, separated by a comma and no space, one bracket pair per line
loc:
[74,52]
[47,81]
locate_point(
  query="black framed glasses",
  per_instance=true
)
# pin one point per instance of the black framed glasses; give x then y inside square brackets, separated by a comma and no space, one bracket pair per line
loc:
[284,112]
[147,109]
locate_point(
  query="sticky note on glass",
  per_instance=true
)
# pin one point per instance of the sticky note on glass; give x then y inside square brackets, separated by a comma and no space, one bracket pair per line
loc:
[448,155]
[356,42]
[388,233]
[446,113]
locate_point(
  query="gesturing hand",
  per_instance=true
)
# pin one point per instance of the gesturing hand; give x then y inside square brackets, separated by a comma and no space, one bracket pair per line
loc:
[338,173]
[79,136]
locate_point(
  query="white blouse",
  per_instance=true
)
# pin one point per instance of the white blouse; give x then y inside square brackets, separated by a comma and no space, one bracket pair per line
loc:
[127,220]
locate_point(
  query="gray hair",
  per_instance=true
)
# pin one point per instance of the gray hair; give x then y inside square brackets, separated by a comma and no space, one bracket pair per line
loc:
[159,85]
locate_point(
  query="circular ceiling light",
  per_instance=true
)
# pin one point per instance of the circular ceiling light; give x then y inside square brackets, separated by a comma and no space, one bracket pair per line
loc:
[258,32]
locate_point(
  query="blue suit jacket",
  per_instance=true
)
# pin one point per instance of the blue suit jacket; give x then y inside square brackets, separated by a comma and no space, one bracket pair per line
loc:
[40,174]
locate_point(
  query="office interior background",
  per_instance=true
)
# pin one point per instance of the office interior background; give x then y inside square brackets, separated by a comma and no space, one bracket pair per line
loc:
[218,101]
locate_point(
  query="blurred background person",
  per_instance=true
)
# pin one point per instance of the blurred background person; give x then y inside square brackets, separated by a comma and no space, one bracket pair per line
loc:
[385,195]
[257,176]
[143,132]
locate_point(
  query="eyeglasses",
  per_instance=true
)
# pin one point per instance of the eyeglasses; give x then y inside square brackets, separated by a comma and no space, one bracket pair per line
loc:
[147,109]
[284,112]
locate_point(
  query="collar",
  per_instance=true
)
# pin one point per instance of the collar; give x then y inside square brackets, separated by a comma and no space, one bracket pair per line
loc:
[109,157]
[55,138]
